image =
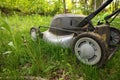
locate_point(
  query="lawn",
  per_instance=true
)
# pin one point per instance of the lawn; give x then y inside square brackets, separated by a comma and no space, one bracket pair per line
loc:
[20,56]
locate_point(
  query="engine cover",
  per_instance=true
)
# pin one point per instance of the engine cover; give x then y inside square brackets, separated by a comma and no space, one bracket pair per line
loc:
[62,21]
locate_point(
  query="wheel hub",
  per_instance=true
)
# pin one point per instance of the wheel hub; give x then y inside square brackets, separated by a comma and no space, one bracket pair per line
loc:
[86,51]
[33,34]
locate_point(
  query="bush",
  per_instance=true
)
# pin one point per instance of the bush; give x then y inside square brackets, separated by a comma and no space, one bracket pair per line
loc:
[31,6]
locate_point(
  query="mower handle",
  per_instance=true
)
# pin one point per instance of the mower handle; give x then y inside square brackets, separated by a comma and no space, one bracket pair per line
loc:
[109,16]
[87,19]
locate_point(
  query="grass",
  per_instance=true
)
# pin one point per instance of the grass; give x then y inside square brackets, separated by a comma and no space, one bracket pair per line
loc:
[20,56]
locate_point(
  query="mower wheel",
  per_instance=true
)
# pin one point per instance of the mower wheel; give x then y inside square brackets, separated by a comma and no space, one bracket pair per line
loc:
[114,36]
[90,49]
[34,32]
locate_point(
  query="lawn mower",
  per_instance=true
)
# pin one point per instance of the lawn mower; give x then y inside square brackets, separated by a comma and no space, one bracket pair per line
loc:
[91,45]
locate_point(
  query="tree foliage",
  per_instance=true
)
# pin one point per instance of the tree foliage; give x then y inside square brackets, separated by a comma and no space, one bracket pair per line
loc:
[33,6]
[51,7]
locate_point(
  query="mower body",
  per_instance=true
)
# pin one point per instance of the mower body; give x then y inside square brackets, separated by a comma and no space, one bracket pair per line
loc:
[92,45]
[63,29]
[59,32]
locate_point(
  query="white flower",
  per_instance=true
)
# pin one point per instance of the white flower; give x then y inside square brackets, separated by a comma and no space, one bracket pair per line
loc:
[11,44]
[7,52]
[3,28]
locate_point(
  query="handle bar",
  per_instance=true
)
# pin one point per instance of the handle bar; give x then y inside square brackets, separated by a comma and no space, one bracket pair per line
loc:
[109,16]
[87,19]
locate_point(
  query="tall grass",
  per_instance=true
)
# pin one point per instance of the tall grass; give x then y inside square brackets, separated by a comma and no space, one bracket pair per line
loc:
[20,56]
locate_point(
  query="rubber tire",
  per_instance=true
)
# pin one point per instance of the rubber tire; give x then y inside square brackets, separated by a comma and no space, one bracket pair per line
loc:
[100,41]
[116,31]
